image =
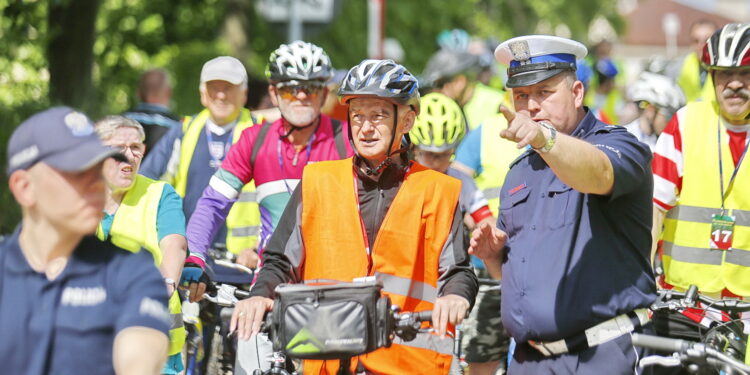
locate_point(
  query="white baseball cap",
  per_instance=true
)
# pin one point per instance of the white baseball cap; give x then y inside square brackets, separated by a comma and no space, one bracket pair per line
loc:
[224,68]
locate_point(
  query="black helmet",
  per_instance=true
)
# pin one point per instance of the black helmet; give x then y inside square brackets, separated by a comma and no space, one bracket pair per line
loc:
[383,79]
[447,63]
[298,61]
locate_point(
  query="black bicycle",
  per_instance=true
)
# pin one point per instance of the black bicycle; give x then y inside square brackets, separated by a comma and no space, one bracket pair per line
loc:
[721,344]
[218,351]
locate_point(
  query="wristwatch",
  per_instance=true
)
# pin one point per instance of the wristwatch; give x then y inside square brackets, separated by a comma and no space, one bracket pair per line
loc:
[552,137]
[169,281]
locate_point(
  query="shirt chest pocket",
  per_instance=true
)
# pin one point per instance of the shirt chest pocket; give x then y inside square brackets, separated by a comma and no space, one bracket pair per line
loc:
[560,205]
[78,330]
[513,207]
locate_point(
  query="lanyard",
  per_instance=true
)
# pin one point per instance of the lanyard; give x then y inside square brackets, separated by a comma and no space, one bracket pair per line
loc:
[721,169]
[210,140]
[294,162]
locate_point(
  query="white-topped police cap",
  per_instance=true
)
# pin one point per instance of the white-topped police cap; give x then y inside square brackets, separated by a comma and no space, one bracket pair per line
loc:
[224,68]
[534,58]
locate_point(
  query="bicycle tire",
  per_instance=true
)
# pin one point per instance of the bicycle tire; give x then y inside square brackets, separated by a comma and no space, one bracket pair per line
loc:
[214,364]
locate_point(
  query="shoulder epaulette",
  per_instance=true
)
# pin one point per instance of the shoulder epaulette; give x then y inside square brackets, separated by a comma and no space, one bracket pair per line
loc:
[520,157]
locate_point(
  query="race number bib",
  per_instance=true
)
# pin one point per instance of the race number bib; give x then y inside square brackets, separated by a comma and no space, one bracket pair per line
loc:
[722,232]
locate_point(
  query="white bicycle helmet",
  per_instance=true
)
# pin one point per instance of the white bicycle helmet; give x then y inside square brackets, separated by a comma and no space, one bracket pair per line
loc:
[657,89]
[299,60]
[729,47]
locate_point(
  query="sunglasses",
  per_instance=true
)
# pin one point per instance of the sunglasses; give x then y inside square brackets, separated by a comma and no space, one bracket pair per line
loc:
[289,91]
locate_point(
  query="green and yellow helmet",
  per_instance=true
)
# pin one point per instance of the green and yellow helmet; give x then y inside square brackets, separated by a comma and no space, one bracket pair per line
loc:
[440,125]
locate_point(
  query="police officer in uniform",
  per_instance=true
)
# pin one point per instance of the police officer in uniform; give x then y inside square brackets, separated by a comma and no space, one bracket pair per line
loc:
[69,303]
[572,240]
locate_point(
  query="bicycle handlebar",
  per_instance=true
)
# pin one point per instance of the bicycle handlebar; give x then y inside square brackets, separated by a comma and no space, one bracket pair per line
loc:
[238,267]
[688,351]
[662,344]
[666,300]
[225,294]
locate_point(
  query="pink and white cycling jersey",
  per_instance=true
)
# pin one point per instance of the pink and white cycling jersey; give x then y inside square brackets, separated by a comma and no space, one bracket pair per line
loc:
[277,169]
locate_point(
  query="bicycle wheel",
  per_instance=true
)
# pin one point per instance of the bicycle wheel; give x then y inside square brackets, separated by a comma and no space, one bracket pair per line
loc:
[215,364]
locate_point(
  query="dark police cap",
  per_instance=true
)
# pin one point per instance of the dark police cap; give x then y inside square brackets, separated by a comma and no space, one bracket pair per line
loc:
[534,58]
[61,138]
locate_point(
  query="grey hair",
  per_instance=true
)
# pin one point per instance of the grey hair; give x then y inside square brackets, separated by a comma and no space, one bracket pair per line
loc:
[106,127]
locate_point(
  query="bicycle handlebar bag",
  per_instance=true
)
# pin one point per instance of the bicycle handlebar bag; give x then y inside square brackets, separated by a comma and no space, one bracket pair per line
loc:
[331,321]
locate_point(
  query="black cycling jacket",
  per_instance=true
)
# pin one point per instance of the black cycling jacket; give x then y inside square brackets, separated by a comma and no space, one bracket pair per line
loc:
[282,256]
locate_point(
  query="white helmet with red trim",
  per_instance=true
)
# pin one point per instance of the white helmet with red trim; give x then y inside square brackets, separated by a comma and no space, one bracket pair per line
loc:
[729,47]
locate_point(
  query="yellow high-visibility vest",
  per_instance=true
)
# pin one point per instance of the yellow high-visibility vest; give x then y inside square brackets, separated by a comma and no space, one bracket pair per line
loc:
[687,227]
[484,103]
[243,221]
[690,82]
[496,154]
[133,228]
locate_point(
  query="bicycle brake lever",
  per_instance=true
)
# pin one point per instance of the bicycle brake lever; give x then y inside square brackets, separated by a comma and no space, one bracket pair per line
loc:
[666,361]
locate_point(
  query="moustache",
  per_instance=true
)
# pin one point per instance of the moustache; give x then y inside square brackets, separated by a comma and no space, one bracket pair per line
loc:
[742,93]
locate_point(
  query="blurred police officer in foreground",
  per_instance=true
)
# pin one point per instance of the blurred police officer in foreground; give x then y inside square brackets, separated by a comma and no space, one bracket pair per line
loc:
[69,303]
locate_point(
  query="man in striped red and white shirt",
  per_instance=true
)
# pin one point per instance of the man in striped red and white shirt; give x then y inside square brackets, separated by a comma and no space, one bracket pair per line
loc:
[701,204]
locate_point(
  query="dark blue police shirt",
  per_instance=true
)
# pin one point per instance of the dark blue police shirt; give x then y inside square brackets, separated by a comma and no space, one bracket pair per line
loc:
[573,259]
[68,325]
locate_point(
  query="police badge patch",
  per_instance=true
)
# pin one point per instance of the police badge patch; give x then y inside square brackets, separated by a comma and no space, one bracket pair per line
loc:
[520,51]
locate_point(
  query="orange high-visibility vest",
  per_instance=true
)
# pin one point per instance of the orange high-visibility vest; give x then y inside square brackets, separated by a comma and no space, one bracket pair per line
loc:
[405,255]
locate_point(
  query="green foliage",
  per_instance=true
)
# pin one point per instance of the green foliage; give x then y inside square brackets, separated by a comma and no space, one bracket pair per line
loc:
[136,35]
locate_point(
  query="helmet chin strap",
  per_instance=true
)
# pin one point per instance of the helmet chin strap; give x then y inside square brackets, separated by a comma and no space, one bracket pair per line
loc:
[295,127]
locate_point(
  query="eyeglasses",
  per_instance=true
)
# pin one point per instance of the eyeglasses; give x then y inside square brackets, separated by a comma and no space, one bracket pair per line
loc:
[138,149]
[290,91]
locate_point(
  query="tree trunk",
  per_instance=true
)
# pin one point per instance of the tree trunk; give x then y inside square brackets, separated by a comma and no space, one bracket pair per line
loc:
[70,51]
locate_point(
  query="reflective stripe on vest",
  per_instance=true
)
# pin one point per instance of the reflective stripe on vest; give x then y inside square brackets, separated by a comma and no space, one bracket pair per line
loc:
[687,227]
[690,82]
[407,287]
[428,341]
[704,214]
[133,228]
[245,231]
[405,255]
[697,255]
[496,154]
[243,220]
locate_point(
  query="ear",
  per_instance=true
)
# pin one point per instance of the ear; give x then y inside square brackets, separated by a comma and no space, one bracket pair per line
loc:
[272,95]
[578,93]
[204,96]
[408,120]
[21,187]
